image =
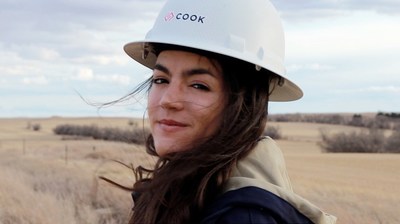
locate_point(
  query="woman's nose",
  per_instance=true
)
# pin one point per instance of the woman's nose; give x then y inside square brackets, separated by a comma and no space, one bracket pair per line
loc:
[173,97]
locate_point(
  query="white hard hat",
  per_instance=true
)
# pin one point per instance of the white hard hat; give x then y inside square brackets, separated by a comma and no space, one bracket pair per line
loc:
[248,30]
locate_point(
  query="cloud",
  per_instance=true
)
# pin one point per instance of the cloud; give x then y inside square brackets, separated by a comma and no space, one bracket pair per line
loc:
[87,75]
[352,38]
[48,54]
[305,9]
[371,90]
[84,74]
[71,30]
[115,78]
[33,52]
[381,89]
[308,67]
[103,59]
[35,80]
[3,81]
[383,6]
[11,64]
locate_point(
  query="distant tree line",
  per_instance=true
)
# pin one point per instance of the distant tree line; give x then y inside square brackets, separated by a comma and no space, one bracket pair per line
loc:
[390,115]
[380,120]
[134,135]
[371,141]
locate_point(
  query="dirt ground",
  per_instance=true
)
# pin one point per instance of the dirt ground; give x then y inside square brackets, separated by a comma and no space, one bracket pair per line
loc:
[357,188]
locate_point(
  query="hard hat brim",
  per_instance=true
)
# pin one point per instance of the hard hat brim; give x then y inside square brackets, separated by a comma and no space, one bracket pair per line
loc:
[283,92]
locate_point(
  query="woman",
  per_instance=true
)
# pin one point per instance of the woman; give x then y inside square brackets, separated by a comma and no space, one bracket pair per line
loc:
[216,65]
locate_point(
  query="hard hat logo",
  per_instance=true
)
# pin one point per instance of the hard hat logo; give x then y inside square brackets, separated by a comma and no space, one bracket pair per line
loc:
[169,16]
[184,16]
[193,18]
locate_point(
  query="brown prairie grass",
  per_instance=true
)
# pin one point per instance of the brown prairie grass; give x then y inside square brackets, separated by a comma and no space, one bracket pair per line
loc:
[47,180]
[44,179]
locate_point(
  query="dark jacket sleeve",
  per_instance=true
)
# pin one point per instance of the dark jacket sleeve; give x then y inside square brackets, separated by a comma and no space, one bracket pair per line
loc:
[242,215]
[252,205]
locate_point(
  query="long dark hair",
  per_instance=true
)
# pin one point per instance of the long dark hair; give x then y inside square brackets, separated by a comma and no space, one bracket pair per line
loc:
[180,185]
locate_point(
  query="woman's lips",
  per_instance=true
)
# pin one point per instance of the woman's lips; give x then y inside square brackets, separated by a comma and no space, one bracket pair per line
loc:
[171,125]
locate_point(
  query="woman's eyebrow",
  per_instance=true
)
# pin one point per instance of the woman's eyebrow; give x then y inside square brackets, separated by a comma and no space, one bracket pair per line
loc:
[189,72]
[199,71]
[161,68]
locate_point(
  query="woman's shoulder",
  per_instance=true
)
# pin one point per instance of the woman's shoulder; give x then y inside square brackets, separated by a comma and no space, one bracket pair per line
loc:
[251,205]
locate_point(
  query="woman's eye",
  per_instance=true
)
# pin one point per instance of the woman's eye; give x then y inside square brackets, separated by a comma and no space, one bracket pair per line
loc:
[159,81]
[200,86]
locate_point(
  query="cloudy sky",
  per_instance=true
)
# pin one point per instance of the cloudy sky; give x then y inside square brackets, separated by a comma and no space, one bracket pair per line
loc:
[344,54]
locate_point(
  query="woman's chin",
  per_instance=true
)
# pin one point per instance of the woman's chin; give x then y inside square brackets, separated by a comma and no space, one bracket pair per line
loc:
[166,148]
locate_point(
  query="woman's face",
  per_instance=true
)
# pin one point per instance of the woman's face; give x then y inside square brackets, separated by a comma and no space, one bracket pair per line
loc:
[186,100]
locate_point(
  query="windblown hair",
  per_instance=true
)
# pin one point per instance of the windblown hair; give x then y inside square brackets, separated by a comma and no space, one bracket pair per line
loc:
[182,184]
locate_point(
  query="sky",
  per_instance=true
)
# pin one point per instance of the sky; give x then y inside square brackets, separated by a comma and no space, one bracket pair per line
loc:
[64,57]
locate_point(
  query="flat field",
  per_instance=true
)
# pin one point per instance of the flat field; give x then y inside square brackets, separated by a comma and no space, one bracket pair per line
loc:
[49,179]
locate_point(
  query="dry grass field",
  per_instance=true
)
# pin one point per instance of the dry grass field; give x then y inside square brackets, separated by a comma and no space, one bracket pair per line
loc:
[45,179]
